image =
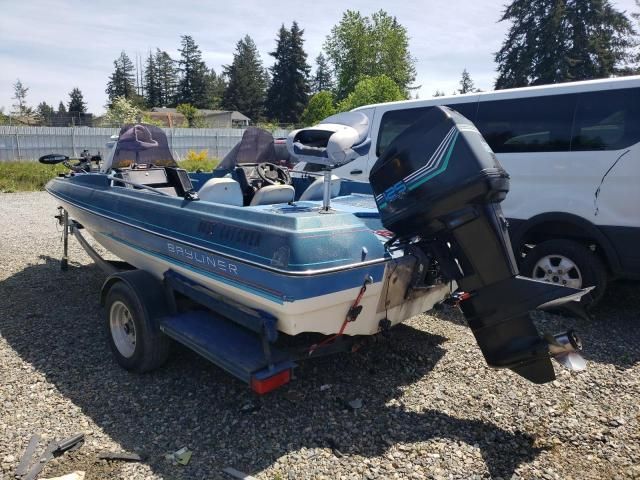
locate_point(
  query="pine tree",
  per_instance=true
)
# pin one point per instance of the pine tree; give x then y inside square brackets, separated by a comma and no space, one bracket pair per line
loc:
[553,41]
[192,85]
[215,86]
[466,83]
[245,90]
[167,78]
[323,78]
[277,91]
[76,102]
[121,81]
[62,110]
[45,113]
[288,92]
[152,86]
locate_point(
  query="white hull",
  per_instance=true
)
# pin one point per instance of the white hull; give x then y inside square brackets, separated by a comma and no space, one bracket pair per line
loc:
[322,314]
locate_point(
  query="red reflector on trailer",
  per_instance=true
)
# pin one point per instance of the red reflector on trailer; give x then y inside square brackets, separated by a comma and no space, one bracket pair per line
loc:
[265,385]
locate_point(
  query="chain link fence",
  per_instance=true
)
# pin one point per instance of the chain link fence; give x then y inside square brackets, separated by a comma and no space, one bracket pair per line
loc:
[29,143]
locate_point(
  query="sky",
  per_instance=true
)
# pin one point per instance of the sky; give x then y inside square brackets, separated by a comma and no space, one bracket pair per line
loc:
[53,46]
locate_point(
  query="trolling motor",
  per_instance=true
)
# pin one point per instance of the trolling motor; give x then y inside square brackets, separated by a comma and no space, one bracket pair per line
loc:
[438,187]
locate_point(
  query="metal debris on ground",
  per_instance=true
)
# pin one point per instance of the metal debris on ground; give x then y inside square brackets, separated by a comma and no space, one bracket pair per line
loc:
[54,449]
[124,456]
[179,457]
[237,474]
[250,407]
[23,466]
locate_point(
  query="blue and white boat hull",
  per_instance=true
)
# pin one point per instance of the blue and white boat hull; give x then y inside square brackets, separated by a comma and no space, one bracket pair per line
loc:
[304,297]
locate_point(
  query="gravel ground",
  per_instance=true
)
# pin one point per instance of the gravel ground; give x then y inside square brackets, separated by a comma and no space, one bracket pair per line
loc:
[431,408]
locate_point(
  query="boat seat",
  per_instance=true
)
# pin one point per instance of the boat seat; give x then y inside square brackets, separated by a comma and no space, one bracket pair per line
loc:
[315,191]
[272,194]
[221,190]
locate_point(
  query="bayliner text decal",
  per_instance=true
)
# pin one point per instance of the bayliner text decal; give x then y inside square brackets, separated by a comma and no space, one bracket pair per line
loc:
[202,258]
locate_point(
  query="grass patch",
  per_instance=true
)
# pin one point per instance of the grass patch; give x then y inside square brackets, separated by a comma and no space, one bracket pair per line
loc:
[32,176]
[26,176]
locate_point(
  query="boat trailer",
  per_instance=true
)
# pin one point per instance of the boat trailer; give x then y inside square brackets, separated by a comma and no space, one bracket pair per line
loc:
[236,338]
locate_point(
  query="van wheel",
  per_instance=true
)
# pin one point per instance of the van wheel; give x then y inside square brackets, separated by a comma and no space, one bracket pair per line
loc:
[565,262]
[135,339]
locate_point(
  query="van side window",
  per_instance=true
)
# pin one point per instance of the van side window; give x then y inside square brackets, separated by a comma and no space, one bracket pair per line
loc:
[394,122]
[467,110]
[538,124]
[606,120]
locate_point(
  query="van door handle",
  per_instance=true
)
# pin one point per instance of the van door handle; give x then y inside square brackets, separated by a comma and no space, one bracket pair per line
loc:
[356,172]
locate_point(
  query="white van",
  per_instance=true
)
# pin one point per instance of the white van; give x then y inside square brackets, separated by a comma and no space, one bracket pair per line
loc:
[573,153]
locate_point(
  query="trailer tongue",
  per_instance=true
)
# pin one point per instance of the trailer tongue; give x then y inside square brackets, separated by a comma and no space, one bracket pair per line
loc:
[438,188]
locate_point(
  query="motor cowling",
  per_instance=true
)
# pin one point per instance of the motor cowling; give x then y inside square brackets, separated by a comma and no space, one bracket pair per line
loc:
[439,185]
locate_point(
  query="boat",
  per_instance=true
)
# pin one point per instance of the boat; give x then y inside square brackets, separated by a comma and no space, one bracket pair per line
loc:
[320,255]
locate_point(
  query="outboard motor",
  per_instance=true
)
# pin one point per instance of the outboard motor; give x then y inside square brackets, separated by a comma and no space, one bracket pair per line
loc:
[438,187]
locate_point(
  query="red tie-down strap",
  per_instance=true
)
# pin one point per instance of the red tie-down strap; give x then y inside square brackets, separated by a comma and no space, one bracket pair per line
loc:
[352,314]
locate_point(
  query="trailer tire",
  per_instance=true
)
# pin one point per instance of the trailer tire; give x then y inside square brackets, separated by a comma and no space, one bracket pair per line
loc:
[587,268]
[134,336]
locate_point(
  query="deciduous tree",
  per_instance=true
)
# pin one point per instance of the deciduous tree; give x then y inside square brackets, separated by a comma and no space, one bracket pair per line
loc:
[20,107]
[361,47]
[370,90]
[320,106]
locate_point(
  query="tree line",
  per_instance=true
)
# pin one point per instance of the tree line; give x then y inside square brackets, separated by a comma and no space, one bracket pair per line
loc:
[365,60]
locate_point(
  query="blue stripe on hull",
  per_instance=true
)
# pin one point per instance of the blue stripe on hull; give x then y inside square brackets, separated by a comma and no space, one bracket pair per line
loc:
[271,285]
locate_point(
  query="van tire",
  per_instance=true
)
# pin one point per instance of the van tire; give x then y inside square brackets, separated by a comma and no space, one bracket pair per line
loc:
[589,267]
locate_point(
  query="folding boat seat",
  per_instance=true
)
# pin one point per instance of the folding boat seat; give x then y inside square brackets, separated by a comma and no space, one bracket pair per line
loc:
[315,191]
[221,190]
[272,194]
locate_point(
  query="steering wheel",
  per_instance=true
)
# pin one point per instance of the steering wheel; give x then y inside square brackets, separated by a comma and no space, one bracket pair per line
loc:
[273,174]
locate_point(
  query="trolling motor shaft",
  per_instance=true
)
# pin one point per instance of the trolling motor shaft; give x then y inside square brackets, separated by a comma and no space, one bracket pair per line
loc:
[439,186]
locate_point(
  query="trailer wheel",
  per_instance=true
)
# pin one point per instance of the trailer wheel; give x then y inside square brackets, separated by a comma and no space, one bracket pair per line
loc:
[134,337]
[569,263]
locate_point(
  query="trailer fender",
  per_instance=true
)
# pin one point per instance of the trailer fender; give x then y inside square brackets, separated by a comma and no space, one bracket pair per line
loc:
[149,290]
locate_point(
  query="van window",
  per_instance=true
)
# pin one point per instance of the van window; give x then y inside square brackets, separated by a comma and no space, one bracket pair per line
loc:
[538,124]
[394,122]
[606,120]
